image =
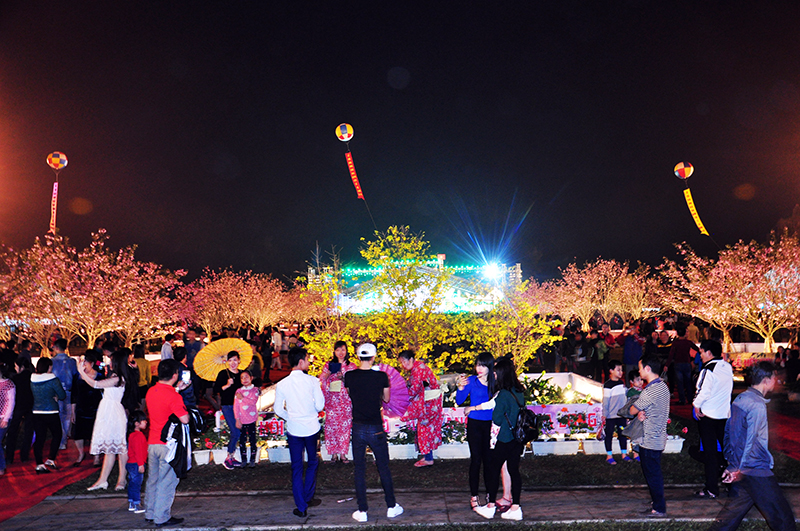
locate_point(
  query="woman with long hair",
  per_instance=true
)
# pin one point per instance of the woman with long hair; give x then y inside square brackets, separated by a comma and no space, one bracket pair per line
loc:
[479,389]
[424,406]
[109,434]
[338,408]
[507,402]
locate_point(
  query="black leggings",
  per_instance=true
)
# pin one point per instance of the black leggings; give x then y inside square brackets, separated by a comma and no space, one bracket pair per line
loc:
[479,433]
[42,423]
[509,453]
[248,433]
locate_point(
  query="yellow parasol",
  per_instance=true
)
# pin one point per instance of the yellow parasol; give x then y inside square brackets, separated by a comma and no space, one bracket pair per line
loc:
[213,358]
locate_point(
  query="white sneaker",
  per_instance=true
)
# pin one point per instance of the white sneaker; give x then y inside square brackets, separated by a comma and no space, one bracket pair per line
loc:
[360,516]
[512,515]
[397,510]
[486,512]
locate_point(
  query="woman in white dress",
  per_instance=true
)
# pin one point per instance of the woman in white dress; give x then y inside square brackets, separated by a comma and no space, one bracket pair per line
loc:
[110,425]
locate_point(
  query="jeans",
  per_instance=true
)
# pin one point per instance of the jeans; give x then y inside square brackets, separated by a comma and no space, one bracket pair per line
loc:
[248,433]
[13,431]
[303,488]
[230,419]
[651,467]
[509,453]
[764,493]
[479,433]
[364,435]
[616,425]
[711,432]
[2,454]
[64,410]
[134,483]
[161,485]
[683,380]
[41,424]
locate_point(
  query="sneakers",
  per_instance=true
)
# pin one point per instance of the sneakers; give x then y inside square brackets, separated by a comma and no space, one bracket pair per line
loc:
[485,511]
[251,464]
[228,463]
[705,494]
[135,508]
[236,464]
[360,516]
[51,463]
[391,512]
[512,514]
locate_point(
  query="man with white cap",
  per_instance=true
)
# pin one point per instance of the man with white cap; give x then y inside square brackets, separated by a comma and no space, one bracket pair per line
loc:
[368,388]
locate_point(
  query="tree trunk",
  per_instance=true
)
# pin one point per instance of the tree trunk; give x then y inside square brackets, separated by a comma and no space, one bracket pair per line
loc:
[727,342]
[768,343]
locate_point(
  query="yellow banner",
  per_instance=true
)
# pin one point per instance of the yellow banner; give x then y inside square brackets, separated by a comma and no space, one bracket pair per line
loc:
[690,203]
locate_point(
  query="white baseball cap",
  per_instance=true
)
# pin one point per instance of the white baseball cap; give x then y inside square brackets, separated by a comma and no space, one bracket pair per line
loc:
[366,351]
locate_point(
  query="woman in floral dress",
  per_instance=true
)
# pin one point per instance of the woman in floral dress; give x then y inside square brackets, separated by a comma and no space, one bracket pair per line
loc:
[338,408]
[424,406]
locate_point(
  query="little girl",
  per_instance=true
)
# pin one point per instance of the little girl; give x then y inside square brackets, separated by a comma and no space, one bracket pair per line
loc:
[245,409]
[137,457]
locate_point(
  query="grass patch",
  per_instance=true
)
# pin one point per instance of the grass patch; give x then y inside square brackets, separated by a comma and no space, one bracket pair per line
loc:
[536,471]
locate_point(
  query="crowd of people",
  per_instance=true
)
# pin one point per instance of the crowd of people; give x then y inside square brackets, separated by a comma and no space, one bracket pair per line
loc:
[106,399]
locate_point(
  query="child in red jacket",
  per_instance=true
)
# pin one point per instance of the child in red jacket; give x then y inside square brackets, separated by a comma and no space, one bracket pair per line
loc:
[137,458]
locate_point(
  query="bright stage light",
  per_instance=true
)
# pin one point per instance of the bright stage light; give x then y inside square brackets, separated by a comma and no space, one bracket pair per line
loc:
[492,271]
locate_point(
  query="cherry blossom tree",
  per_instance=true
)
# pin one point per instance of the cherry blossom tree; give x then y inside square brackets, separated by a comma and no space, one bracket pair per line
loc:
[213,301]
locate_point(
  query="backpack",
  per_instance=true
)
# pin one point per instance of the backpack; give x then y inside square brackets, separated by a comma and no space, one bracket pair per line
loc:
[527,427]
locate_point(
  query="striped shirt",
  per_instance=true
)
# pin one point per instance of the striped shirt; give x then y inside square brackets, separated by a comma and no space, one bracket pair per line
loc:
[654,401]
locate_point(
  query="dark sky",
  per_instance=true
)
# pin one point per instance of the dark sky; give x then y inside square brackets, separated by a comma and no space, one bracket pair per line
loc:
[204,131]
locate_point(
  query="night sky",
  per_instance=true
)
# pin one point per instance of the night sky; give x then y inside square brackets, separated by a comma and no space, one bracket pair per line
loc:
[544,131]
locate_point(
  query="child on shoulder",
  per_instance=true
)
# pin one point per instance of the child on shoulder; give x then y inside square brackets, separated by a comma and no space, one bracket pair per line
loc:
[245,409]
[137,457]
[613,400]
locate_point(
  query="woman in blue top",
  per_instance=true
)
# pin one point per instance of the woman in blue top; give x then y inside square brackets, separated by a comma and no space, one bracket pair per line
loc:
[479,389]
[507,403]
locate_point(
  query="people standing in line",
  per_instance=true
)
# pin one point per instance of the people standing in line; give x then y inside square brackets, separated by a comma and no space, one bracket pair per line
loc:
[65,368]
[508,400]
[162,402]
[228,381]
[750,463]
[368,390]
[479,389]
[145,372]
[137,457]
[424,406]
[652,408]
[85,401]
[338,408]
[110,426]
[298,400]
[712,407]
[166,347]
[8,395]
[681,354]
[614,398]
[47,391]
[245,409]
[23,412]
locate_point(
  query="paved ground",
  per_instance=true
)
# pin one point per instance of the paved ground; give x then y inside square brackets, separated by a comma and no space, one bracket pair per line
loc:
[273,510]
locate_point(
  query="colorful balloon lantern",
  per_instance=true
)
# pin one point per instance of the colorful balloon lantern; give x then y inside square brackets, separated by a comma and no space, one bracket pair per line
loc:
[344,132]
[57,160]
[683,170]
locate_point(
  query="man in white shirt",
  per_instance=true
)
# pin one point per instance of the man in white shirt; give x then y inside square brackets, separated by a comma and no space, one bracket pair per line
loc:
[298,400]
[712,407]
[166,348]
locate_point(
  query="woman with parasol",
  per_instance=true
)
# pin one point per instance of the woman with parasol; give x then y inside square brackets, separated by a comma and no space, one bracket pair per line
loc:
[228,381]
[424,406]
[338,408]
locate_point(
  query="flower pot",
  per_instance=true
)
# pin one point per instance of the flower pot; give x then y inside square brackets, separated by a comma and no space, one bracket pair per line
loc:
[674,444]
[201,457]
[220,455]
[555,447]
[278,454]
[595,447]
[452,451]
[402,451]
